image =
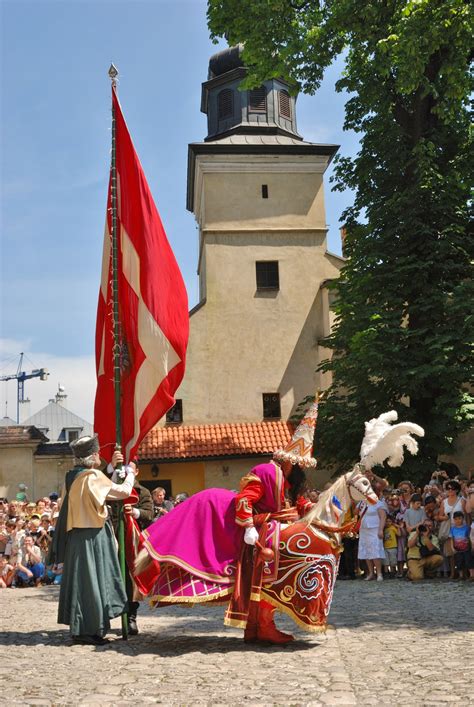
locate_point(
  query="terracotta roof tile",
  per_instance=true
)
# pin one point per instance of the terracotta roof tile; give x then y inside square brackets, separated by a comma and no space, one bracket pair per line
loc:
[245,439]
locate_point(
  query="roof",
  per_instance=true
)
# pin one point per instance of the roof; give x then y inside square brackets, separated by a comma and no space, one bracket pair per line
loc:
[7,422]
[54,418]
[19,434]
[60,449]
[236,439]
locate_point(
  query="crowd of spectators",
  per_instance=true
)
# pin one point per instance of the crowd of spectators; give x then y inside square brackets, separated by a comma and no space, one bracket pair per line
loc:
[414,533]
[26,534]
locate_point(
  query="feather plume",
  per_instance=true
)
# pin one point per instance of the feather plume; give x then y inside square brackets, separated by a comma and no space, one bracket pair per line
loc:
[385,442]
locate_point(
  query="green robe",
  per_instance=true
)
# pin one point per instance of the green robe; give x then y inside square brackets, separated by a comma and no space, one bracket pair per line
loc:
[92,590]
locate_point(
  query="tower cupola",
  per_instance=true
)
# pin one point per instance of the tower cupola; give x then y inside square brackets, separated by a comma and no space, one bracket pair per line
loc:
[268,109]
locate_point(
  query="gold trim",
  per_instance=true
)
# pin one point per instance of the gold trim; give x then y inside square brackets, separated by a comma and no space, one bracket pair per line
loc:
[244,523]
[286,610]
[255,597]
[157,598]
[247,479]
[234,623]
[174,560]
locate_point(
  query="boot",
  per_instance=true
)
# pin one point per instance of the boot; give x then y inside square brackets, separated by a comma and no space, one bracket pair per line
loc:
[132,625]
[250,634]
[267,632]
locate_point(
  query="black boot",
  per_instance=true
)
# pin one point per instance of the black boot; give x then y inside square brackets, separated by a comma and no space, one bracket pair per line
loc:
[132,625]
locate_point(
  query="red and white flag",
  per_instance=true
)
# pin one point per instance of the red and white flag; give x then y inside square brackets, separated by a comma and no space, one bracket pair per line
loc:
[153,310]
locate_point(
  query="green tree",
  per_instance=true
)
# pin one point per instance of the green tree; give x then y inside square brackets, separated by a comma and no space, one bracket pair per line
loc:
[404,304]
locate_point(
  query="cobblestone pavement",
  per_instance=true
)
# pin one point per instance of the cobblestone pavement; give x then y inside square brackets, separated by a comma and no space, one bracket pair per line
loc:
[394,643]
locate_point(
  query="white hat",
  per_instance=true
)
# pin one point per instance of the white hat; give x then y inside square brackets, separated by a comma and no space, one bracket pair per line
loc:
[299,449]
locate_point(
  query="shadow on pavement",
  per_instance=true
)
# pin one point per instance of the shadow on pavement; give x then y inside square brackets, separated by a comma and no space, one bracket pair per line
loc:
[163,645]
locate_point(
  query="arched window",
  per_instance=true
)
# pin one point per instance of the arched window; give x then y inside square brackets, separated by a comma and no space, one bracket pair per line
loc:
[225,104]
[258,100]
[284,105]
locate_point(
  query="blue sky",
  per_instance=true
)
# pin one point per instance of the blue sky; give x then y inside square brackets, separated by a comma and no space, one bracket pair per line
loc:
[55,152]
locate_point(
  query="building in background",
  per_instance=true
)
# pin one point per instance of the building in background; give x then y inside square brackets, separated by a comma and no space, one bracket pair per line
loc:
[256,190]
[57,422]
[37,452]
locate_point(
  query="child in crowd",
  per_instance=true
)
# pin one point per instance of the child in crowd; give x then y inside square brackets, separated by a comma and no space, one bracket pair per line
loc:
[7,572]
[390,542]
[415,514]
[460,532]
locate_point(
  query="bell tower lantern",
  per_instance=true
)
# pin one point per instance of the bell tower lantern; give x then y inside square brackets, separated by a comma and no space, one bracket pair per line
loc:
[268,109]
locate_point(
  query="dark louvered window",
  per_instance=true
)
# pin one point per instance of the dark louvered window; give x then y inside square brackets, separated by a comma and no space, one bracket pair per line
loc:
[284,106]
[225,104]
[258,100]
[175,414]
[271,406]
[267,275]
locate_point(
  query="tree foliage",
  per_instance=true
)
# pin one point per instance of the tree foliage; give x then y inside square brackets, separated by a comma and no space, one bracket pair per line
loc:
[404,301]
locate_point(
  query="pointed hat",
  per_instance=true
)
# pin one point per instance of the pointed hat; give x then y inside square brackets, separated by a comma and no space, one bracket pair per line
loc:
[299,448]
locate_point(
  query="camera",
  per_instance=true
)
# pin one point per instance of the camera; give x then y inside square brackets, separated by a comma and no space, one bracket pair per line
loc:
[422,528]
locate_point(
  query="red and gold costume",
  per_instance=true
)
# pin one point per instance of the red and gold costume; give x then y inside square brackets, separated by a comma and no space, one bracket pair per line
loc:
[260,504]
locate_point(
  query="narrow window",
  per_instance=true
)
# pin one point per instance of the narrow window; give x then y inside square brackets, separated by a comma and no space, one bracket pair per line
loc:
[271,406]
[264,191]
[284,105]
[225,104]
[175,414]
[258,100]
[267,275]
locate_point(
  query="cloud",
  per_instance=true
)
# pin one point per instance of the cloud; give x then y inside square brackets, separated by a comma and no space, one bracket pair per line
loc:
[75,373]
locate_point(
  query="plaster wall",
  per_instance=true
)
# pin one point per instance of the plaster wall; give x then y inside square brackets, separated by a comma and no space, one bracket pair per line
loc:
[186,477]
[234,201]
[245,342]
[16,466]
[227,473]
[50,473]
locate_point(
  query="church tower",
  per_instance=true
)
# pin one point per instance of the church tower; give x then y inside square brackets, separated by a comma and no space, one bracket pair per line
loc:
[256,190]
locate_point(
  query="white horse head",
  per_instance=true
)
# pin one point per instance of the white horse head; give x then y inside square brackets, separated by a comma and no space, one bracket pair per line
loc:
[360,488]
[351,487]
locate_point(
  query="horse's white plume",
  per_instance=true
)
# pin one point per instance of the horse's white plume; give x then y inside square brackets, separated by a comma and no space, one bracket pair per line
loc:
[383,441]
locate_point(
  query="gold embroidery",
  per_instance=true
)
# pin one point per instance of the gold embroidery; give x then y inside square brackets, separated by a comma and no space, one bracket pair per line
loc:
[243,508]
[245,480]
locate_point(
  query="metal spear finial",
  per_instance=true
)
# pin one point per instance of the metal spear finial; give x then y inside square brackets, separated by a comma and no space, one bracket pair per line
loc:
[113,73]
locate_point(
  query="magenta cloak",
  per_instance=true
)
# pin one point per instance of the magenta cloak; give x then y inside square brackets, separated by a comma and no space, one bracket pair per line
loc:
[198,543]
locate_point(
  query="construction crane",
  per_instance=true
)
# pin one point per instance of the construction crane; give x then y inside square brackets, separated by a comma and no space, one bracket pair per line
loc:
[20,376]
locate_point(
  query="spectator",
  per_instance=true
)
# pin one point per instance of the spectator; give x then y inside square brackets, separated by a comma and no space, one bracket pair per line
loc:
[160,506]
[4,535]
[44,536]
[448,506]
[394,508]
[461,544]
[180,497]
[424,555]
[390,542]
[470,517]
[7,572]
[30,571]
[415,514]
[371,533]
[406,492]
[431,508]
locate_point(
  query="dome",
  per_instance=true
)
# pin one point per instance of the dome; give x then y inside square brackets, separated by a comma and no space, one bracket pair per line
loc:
[226,60]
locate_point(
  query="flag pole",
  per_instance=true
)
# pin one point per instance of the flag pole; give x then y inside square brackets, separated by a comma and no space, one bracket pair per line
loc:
[113,73]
